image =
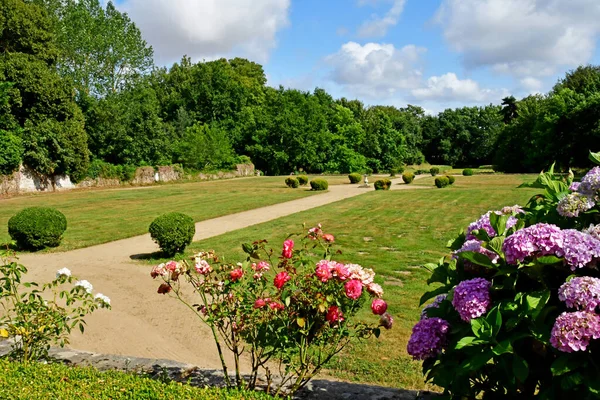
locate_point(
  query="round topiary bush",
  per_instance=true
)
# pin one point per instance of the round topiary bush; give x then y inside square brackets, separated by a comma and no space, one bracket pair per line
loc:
[172,232]
[292,182]
[442,181]
[354,177]
[408,177]
[37,227]
[467,172]
[319,184]
[383,184]
[434,171]
[303,180]
[451,179]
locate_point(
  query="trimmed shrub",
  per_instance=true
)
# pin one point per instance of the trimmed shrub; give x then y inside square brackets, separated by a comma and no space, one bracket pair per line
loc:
[467,172]
[172,232]
[319,184]
[303,180]
[451,179]
[408,177]
[354,177]
[292,182]
[434,171]
[37,227]
[383,184]
[442,181]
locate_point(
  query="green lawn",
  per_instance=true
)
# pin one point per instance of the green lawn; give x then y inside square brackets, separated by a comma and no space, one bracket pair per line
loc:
[393,232]
[103,215]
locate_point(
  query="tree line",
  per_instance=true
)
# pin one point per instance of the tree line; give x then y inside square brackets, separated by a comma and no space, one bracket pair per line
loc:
[79,90]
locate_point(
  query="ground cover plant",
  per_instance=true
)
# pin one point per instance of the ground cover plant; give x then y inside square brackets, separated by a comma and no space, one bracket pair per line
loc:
[394,238]
[132,210]
[35,381]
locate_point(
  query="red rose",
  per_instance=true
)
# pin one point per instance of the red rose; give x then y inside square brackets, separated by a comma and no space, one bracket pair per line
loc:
[236,274]
[378,306]
[334,315]
[280,279]
[260,303]
[353,289]
[288,248]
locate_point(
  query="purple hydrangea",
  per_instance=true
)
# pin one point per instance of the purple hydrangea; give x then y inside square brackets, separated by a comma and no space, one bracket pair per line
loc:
[484,223]
[428,339]
[573,331]
[575,186]
[593,230]
[582,293]
[472,298]
[579,248]
[475,246]
[572,204]
[436,304]
[590,183]
[538,240]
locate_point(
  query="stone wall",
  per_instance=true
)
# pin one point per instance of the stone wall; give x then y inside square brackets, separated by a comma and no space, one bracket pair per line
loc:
[144,176]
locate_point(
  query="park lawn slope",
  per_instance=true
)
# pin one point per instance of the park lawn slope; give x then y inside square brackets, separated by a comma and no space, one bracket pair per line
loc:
[394,232]
[100,216]
[55,381]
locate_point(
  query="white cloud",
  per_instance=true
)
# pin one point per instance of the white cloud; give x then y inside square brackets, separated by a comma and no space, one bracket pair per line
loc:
[523,38]
[448,88]
[208,29]
[376,70]
[378,26]
[531,85]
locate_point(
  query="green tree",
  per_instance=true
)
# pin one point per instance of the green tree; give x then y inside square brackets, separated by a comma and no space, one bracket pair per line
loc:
[205,147]
[509,109]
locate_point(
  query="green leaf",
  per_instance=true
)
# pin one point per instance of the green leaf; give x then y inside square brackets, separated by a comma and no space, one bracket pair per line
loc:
[467,341]
[496,245]
[440,274]
[494,319]
[377,332]
[503,347]
[595,158]
[477,361]
[287,301]
[520,368]
[549,260]
[498,222]
[477,258]
[536,302]
[564,364]
[248,248]
[432,294]
[481,328]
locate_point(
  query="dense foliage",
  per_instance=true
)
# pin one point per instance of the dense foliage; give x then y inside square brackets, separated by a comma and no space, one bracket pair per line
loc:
[382,184]
[35,228]
[292,182]
[442,182]
[173,232]
[408,177]
[319,184]
[354,177]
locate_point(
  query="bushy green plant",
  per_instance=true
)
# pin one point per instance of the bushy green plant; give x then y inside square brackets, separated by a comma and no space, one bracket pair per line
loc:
[292,182]
[303,180]
[299,319]
[354,177]
[101,169]
[467,172]
[383,184]
[172,232]
[434,171]
[516,304]
[36,316]
[408,177]
[35,228]
[11,152]
[442,181]
[319,184]
[451,179]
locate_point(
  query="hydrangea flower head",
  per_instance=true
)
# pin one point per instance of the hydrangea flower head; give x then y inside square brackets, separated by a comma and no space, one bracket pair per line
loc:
[579,248]
[428,339]
[472,298]
[483,223]
[538,240]
[574,203]
[590,183]
[581,293]
[573,331]
[436,304]
[475,246]
[593,230]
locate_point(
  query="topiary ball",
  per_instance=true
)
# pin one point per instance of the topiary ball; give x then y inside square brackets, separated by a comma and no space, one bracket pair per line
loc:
[408,177]
[383,184]
[434,171]
[442,181]
[451,179]
[172,232]
[303,180]
[319,184]
[292,182]
[37,227]
[468,172]
[354,177]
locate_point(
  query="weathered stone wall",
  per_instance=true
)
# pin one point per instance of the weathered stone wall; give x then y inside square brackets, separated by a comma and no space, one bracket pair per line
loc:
[9,184]
[144,176]
[245,169]
[168,174]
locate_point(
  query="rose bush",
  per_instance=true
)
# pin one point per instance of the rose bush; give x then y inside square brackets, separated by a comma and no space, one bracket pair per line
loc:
[292,309]
[516,312]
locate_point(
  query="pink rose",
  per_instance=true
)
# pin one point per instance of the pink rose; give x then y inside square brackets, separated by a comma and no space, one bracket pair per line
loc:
[378,306]
[280,279]
[276,306]
[314,233]
[172,266]
[261,266]
[386,321]
[341,272]
[323,272]
[334,314]
[375,289]
[260,303]
[236,274]
[329,238]
[353,289]
[203,267]
[158,270]
[288,248]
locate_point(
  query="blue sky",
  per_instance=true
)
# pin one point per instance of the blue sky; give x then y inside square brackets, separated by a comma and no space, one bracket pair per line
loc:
[432,53]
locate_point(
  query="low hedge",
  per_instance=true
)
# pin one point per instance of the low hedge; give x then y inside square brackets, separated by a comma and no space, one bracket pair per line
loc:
[35,228]
[434,171]
[354,177]
[292,182]
[383,184]
[408,177]
[56,381]
[319,184]
[172,232]
[303,180]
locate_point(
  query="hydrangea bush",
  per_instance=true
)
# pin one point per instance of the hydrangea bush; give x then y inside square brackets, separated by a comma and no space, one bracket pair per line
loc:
[516,311]
[37,316]
[290,311]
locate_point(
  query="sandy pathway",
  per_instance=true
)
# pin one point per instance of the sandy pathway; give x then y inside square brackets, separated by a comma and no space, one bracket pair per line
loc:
[141,322]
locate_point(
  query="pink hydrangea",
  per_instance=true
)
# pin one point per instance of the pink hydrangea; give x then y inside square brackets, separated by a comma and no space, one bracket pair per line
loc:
[334,314]
[323,271]
[281,279]
[472,298]
[288,248]
[378,306]
[582,293]
[353,289]
[428,339]
[573,331]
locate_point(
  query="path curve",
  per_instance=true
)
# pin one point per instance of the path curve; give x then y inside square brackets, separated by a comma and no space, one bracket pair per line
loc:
[141,322]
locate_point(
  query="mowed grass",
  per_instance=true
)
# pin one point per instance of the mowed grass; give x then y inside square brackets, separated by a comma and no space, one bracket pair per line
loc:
[102,215]
[393,232]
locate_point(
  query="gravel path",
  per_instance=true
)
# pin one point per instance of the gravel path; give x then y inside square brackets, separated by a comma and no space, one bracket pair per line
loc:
[141,322]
